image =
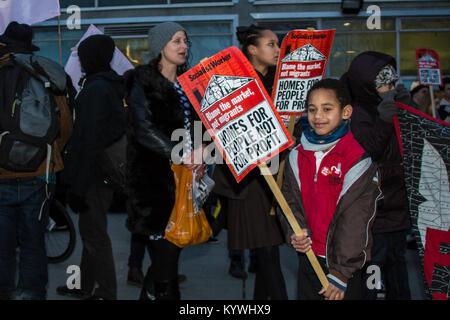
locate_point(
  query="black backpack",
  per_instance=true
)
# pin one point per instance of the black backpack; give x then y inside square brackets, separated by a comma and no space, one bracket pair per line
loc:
[29,116]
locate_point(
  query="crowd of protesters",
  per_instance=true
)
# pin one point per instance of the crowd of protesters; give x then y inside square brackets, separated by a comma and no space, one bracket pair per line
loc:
[356,217]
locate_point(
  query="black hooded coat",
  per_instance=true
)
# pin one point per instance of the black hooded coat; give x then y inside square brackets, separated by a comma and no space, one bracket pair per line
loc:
[378,138]
[99,117]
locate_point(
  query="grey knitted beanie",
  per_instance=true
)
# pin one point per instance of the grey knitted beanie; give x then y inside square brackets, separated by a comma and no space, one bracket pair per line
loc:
[158,37]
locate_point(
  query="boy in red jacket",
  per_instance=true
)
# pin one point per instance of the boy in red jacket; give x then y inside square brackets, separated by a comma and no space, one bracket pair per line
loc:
[331,186]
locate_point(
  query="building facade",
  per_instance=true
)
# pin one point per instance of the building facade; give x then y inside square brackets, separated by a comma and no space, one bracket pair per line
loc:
[393,27]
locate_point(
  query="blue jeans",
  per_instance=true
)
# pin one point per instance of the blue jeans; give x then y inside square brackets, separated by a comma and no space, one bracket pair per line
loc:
[22,201]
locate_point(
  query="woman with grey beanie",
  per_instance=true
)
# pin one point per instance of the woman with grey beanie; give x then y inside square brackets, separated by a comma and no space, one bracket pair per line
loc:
[158,106]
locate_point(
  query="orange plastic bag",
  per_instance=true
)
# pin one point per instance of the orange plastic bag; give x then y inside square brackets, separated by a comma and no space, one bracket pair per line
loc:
[185,226]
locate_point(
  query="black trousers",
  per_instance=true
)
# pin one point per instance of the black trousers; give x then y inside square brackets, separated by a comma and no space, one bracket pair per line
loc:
[309,284]
[269,280]
[164,255]
[97,262]
[388,253]
[161,280]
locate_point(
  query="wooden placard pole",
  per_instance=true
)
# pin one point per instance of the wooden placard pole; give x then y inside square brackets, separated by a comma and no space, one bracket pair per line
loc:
[291,127]
[433,110]
[265,171]
[59,40]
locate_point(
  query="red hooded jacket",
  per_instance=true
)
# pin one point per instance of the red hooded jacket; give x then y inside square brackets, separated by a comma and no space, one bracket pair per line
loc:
[320,192]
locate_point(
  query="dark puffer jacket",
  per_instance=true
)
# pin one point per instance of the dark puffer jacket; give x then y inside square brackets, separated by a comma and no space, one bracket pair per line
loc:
[154,113]
[378,138]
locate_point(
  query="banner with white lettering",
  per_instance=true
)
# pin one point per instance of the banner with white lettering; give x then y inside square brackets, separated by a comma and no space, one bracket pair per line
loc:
[236,109]
[303,61]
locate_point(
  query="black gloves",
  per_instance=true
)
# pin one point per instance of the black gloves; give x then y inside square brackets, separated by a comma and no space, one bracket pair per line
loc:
[77,203]
[387,108]
[402,95]
[388,95]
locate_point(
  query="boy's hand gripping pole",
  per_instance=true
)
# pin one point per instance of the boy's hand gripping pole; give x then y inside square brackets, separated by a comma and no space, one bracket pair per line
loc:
[292,222]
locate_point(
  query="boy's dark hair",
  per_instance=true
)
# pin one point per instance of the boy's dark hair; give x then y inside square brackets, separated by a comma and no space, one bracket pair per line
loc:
[339,88]
[249,36]
[445,81]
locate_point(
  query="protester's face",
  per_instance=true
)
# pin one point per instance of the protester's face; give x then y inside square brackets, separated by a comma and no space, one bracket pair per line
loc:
[267,50]
[325,112]
[176,50]
[420,96]
[386,87]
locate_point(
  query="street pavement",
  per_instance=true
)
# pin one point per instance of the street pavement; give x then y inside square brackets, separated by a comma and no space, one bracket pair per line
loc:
[205,265]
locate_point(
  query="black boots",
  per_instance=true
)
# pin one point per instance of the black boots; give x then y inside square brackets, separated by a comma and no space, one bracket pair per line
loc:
[135,277]
[163,290]
[148,289]
[167,290]
[237,264]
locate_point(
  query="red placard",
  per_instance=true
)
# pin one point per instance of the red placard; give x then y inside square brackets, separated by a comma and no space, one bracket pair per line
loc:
[428,67]
[303,61]
[231,101]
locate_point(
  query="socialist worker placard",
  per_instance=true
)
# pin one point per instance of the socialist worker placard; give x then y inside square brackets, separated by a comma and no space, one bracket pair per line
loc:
[231,101]
[428,67]
[303,61]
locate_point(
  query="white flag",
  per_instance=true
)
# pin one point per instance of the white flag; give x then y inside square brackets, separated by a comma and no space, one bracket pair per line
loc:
[27,11]
[119,63]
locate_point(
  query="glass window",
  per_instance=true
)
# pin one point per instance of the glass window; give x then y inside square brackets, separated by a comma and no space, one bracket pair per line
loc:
[207,46]
[207,39]
[206,28]
[352,37]
[107,3]
[347,46]
[133,48]
[202,47]
[344,25]
[425,23]
[197,1]
[437,41]
[112,3]
[80,3]
[281,28]
[50,49]
[46,38]
[51,33]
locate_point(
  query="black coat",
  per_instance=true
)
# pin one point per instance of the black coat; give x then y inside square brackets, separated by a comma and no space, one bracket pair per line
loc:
[99,122]
[154,113]
[378,138]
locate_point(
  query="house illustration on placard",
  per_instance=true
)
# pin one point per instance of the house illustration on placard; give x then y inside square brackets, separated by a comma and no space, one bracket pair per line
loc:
[307,53]
[220,87]
[427,57]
